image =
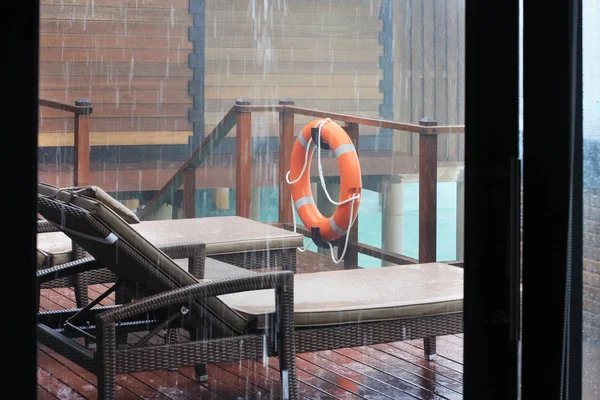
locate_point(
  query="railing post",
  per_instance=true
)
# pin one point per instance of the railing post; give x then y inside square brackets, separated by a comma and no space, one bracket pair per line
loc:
[81,153]
[392,223]
[427,192]
[189,193]
[351,257]
[243,160]
[286,144]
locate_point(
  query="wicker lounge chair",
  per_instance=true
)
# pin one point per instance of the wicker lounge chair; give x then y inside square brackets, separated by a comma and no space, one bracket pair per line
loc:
[244,317]
[234,240]
[178,299]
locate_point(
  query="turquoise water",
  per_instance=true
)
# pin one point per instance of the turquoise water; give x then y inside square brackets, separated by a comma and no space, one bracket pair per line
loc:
[369,218]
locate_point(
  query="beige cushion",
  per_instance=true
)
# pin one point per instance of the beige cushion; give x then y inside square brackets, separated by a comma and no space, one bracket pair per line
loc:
[215,269]
[361,295]
[222,235]
[96,193]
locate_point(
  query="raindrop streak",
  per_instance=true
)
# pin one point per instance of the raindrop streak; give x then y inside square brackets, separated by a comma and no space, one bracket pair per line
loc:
[285,389]
[131,72]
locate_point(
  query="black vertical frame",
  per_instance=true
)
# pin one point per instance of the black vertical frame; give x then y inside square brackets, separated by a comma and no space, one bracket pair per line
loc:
[19,29]
[552,212]
[492,145]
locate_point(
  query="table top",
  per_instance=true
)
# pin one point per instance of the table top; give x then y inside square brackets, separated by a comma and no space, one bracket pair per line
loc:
[222,235]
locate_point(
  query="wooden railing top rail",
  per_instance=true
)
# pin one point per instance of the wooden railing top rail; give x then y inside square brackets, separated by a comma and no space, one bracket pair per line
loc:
[380,123]
[81,107]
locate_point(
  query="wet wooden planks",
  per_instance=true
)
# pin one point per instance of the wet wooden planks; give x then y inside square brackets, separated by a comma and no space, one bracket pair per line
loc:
[386,371]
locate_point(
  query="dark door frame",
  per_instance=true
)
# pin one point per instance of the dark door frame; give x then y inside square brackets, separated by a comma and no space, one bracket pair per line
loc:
[552,201]
[552,223]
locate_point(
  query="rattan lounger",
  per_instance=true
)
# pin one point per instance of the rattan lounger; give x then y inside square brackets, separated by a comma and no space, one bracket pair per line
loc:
[243,317]
[231,239]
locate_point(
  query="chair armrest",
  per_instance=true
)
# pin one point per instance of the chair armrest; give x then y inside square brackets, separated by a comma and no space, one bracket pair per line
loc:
[67,269]
[194,251]
[280,334]
[281,281]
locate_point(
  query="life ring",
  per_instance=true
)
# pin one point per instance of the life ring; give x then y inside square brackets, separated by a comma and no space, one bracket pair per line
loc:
[350,179]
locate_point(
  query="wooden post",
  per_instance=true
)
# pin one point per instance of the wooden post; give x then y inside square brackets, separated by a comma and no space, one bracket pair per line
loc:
[189,193]
[81,154]
[392,224]
[351,257]
[255,203]
[460,214]
[243,160]
[427,192]
[221,198]
[286,144]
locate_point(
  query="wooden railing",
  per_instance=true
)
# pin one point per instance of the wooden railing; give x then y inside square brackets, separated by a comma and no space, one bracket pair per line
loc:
[81,134]
[241,116]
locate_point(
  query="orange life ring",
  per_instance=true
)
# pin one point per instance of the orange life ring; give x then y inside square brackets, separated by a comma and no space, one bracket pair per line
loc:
[350,179]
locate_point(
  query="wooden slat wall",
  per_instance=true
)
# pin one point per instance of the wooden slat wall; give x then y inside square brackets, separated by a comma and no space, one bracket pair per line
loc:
[322,54]
[429,70]
[131,59]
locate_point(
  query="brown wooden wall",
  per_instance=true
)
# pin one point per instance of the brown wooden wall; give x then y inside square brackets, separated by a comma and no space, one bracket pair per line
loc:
[429,69]
[130,58]
[321,54]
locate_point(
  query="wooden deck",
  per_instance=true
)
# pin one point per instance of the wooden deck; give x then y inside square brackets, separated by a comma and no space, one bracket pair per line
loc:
[388,371]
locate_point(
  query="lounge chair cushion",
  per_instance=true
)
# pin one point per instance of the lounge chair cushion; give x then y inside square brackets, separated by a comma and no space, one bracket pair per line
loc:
[216,269]
[96,193]
[360,295]
[222,235]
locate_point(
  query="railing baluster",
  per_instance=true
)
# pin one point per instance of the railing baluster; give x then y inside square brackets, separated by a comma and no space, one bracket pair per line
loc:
[243,161]
[351,258]
[427,192]
[81,151]
[286,144]
[189,193]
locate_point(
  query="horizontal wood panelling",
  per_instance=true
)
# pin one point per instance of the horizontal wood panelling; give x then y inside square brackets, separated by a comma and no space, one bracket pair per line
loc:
[121,96]
[88,12]
[178,16]
[294,55]
[67,26]
[130,58]
[361,7]
[114,69]
[222,66]
[282,29]
[134,124]
[338,6]
[99,83]
[96,54]
[108,41]
[286,42]
[48,139]
[182,4]
[101,54]
[180,96]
